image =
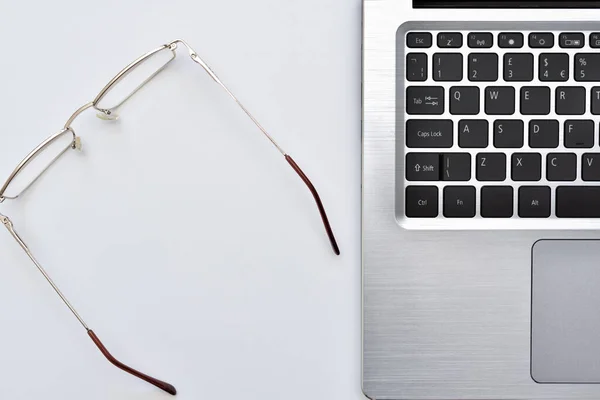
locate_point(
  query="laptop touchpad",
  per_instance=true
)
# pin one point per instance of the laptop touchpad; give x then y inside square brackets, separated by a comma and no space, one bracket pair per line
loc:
[565,328]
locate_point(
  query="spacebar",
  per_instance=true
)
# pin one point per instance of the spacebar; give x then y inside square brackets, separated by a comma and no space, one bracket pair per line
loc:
[578,202]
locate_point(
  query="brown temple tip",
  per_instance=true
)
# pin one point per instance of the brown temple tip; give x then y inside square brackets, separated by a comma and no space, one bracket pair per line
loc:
[167,387]
[312,189]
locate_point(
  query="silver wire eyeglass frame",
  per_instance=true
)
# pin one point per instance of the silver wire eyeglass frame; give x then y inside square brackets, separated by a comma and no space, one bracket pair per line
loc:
[111,113]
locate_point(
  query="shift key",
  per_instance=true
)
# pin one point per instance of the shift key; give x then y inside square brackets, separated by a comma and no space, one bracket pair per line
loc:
[423,133]
[425,100]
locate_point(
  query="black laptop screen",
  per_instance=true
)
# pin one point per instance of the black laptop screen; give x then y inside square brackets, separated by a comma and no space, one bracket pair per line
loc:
[506,4]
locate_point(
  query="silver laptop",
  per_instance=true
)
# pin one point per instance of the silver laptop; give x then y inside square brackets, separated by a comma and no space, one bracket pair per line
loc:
[481,199]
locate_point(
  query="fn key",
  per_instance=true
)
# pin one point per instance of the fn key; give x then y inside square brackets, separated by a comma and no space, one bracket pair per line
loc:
[421,201]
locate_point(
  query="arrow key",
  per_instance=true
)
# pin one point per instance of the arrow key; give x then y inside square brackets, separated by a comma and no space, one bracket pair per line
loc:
[423,167]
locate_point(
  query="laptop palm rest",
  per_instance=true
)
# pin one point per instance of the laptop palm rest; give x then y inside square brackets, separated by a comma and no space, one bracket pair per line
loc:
[565,311]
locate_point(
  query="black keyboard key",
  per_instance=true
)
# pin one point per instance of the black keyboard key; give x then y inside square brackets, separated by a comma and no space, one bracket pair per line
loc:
[481,40]
[459,202]
[526,167]
[483,67]
[543,134]
[508,134]
[590,167]
[539,40]
[512,40]
[423,133]
[596,100]
[578,201]
[423,167]
[491,167]
[416,67]
[587,67]
[571,40]
[595,40]
[473,133]
[421,201]
[518,67]
[425,100]
[456,167]
[497,201]
[579,134]
[420,40]
[570,100]
[534,202]
[561,167]
[554,67]
[447,67]
[499,100]
[464,100]
[535,100]
[449,40]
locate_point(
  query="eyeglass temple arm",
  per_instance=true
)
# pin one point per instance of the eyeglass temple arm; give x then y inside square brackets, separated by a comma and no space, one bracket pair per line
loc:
[167,387]
[194,56]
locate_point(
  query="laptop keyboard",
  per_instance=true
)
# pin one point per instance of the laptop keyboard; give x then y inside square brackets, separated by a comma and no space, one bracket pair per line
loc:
[499,124]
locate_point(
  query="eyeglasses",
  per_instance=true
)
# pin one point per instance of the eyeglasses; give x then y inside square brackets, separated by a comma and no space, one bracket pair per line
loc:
[107,104]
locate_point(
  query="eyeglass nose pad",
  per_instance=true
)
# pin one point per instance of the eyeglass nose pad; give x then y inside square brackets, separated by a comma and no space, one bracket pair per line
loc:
[77,143]
[107,115]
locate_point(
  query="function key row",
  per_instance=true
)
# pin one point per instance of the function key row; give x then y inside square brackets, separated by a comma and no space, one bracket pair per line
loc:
[506,40]
[498,201]
[517,67]
[502,100]
[491,167]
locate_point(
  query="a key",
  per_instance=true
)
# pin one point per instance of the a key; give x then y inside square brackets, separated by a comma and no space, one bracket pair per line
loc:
[447,67]
[508,134]
[456,167]
[540,40]
[449,40]
[596,100]
[459,202]
[423,167]
[419,40]
[480,40]
[526,167]
[554,67]
[416,67]
[595,40]
[535,100]
[570,100]
[543,134]
[518,67]
[578,201]
[473,133]
[483,67]
[512,40]
[586,67]
[590,167]
[571,40]
[579,134]
[464,100]
[561,167]
[423,133]
[499,100]
[491,167]
[497,201]
[421,202]
[534,202]
[425,100]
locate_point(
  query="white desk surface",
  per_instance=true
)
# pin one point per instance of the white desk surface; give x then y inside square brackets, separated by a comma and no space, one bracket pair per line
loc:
[181,236]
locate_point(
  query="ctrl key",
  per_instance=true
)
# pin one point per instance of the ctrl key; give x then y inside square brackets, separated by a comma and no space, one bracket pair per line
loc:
[421,201]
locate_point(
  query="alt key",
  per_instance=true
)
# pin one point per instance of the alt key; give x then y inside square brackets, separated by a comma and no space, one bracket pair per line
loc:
[421,201]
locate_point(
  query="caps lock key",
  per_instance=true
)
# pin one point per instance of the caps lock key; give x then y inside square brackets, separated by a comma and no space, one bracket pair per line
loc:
[423,133]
